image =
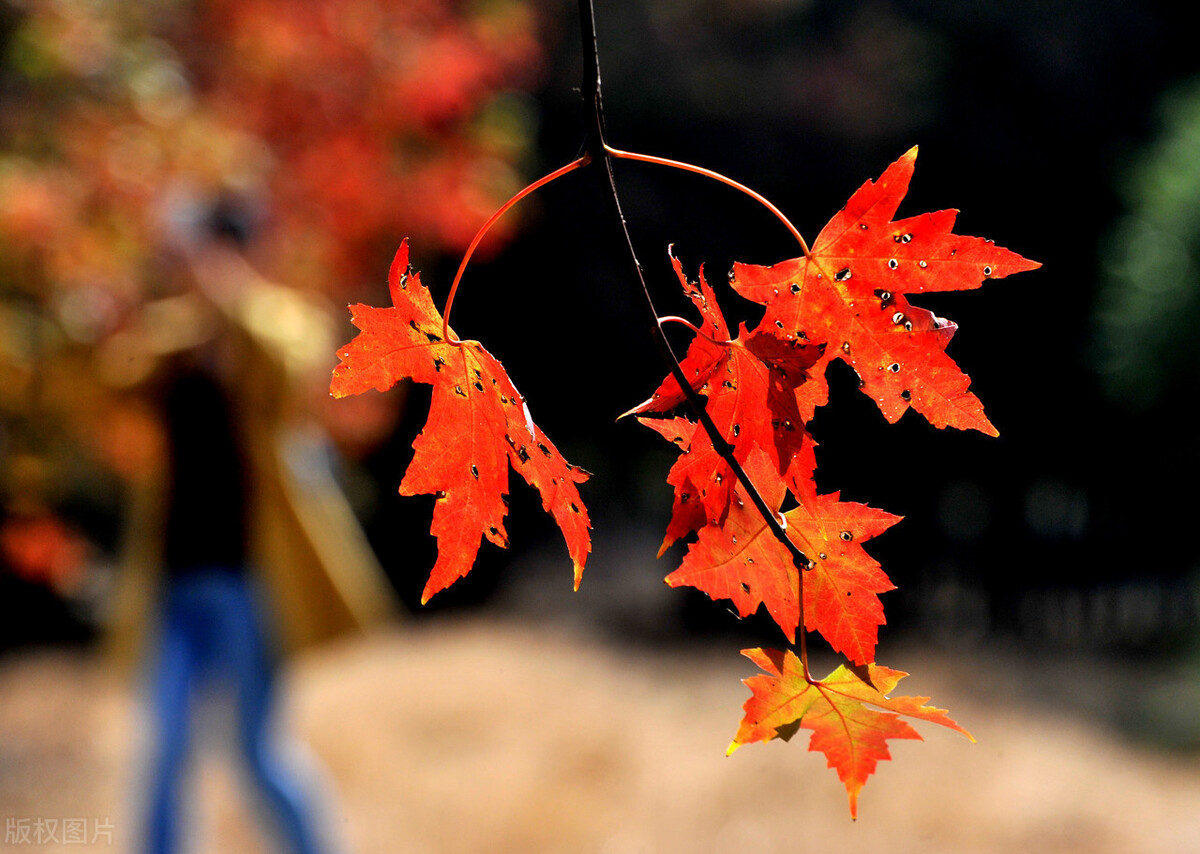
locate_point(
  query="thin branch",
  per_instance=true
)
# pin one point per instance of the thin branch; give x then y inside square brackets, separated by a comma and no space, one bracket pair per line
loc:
[597,145]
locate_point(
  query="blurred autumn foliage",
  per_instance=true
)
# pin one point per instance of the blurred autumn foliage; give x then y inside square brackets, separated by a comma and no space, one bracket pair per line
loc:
[336,127]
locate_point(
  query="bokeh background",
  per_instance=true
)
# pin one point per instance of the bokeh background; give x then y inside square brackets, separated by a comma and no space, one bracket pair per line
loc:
[1049,593]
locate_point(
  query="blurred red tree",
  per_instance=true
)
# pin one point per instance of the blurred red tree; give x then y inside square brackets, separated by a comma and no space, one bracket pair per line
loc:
[356,120]
[341,125]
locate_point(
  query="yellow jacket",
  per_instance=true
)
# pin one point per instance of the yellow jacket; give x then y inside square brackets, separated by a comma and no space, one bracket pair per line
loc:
[320,575]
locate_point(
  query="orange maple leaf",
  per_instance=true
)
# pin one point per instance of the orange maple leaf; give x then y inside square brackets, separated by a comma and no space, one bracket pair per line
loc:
[838,709]
[743,561]
[478,425]
[848,297]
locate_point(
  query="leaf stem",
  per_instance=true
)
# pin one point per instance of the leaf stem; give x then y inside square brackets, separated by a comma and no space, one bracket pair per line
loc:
[670,318]
[540,182]
[716,176]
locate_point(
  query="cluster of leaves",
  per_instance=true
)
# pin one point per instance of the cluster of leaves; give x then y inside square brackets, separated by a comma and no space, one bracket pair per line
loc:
[845,299]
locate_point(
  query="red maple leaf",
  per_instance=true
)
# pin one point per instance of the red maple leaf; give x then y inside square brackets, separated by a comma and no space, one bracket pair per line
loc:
[847,296]
[743,561]
[842,582]
[750,385]
[838,709]
[478,425]
[687,513]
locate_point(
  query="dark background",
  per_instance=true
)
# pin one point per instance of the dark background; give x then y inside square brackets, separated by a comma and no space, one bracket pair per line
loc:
[1069,528]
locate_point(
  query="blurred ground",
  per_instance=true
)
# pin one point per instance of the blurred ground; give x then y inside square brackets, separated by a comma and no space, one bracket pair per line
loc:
[474,735]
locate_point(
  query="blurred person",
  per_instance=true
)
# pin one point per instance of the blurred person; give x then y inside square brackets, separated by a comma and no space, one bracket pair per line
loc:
[241,544]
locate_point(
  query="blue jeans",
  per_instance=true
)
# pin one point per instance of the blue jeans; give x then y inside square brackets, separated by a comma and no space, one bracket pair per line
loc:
[212,628]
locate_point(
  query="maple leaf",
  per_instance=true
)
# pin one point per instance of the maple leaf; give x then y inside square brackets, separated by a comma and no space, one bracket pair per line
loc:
[743,561]
[842,710]
[478,426]
[750,385]
[687,512]
[848,296]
